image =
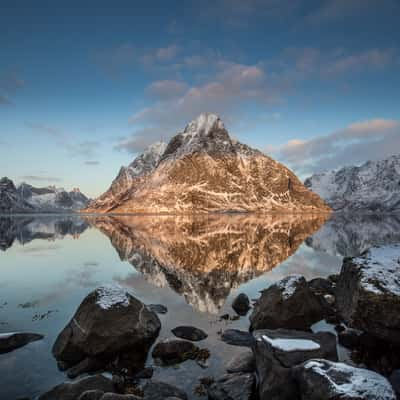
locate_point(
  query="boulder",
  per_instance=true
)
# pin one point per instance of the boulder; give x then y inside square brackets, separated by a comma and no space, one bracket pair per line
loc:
[325,380]
[158,308]
[116,396]
[289,303]
[237,386]
[277,352]
[242,362]
[395,381]
[156,390]
[14,340]
[189,333]
[241,304]
[109,324]
[175,351]
[91,395]
[368,292]
[73,390]
[236,337]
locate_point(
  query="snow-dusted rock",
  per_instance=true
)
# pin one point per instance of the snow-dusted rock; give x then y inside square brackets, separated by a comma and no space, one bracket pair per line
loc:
[203,170]
[10,200]
[288,303]
[368,292]
[277,352]
[374,186]
[109,324]
[14,340]
[324,380]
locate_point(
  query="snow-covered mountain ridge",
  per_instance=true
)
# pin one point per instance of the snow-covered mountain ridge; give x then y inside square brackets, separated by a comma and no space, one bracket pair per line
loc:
[202,169]
[27,198]
[372,187]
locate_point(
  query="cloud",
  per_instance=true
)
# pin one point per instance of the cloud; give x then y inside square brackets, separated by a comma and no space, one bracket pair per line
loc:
[86,149]
[37,178]
[142,138]
[9,84]
[359,142]
[166,89]
[160,55]
[90,162]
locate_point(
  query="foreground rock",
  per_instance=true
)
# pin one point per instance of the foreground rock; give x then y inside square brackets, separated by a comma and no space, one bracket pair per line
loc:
[237,386]
[325,380]
[175,351]
[156,390]
[277,352]
[109,324]
[236,337]
[243,362]
[72,391]
[289,303]
[14,340]
[100,395]
[368,292]
[241,304]
[189,333]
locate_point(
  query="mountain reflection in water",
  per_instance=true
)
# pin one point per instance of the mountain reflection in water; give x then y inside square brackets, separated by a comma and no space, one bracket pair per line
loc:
[204,257]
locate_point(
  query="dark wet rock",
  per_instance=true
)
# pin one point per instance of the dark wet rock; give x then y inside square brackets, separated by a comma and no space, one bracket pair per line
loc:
[91,395]
[145,373]
[109,324]
[321,285]
[156,390]
[189,333]
[175,351]
[116,396]
[158,308]
[237,386]
[86,365]
[395,381]
[325,380]
[277,352]
[289,303]
[241,304]
[14,340]
[72,391]
[236,337]
[243,362]
[350,338]
[368,293]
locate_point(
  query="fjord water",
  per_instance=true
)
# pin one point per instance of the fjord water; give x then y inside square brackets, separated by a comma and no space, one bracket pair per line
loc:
[193,265]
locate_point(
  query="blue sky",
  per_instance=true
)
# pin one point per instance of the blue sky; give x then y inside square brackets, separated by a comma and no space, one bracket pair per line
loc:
[84,88]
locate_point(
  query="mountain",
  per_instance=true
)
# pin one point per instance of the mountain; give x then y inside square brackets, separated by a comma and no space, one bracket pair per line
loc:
[29,199]
[374,186]
[202,257]
[202,169]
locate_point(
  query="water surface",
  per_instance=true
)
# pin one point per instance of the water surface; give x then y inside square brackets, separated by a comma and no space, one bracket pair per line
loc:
[193,265]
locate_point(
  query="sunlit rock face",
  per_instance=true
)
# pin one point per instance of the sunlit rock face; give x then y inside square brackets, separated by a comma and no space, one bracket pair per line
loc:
[202,169]
[27,229]
[349,235]
[203,258]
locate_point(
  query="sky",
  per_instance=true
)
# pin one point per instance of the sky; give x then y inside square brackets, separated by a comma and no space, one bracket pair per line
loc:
[86,86]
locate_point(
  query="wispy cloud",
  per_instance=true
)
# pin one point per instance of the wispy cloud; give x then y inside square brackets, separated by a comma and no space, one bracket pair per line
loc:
[361,141]
[92,162]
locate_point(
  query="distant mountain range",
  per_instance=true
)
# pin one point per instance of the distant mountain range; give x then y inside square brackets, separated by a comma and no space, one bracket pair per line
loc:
[372,187]
[202,169]
[29,199]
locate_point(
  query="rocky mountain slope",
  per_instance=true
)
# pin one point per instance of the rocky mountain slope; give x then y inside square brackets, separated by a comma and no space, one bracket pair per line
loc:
[26,198]
[374,186]
[202,169]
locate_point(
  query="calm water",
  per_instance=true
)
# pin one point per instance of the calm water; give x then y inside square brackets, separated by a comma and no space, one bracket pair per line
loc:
[194,266]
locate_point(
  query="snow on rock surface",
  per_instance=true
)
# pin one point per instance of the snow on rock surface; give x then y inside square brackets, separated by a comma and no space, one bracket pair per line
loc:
[112,295]
[292,344]
[202,169]
[322,379]
[289,285]
[374,186]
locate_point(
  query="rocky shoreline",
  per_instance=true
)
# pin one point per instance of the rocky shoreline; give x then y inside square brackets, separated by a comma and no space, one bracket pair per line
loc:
[112,333]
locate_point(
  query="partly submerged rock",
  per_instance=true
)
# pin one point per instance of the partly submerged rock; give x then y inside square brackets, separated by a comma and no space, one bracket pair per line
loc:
[277,352]
[109,324]
[241,304]
[325,380]
[289,304]
[242,362]
[156,390]
[158,308]
[368,292]
[236,337]
[174,351]
[237,386]
[189,333]
[14,340]
[73,390]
